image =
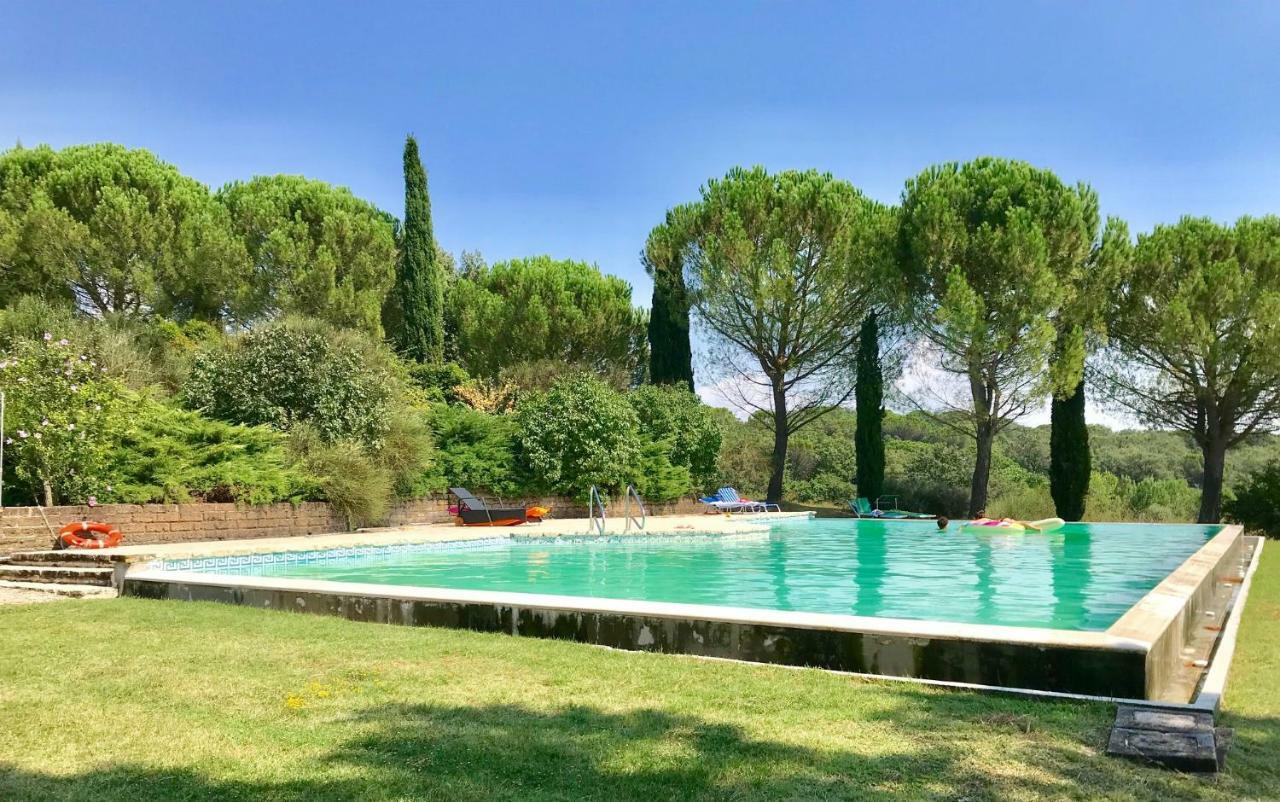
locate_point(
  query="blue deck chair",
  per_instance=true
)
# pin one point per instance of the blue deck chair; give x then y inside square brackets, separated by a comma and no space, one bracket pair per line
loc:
[731,495]
[719,504]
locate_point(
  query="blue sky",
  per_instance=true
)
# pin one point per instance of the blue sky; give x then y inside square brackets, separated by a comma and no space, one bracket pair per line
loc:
[569,128]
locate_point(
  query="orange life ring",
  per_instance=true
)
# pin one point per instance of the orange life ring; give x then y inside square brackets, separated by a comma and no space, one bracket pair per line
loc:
[71,537]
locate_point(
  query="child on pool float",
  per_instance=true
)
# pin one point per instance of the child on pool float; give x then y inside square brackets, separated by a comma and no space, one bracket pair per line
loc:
[983,520]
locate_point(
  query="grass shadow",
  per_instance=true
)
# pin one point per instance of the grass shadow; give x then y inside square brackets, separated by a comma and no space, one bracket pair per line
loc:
[509,752]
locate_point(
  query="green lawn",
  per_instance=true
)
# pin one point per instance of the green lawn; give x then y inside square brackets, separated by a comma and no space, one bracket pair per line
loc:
[137,700]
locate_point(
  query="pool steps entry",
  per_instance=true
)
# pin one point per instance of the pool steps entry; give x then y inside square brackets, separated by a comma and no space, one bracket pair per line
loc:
[596,514]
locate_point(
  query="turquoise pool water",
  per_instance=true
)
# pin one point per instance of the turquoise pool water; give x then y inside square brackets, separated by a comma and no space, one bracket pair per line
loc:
[1083,576]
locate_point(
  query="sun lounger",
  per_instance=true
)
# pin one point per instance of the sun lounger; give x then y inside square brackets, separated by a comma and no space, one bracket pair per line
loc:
[731,495]
[473,511]
[862,508]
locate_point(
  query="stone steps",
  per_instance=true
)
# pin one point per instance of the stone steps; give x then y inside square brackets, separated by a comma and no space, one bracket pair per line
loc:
[58,558]
[1179,739]
[57,574]
[56,589]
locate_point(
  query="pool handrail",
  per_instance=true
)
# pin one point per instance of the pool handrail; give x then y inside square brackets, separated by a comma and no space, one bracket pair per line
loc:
[594,501]
[633,493]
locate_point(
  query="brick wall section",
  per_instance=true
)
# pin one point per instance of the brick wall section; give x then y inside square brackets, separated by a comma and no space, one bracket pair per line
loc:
[24,528]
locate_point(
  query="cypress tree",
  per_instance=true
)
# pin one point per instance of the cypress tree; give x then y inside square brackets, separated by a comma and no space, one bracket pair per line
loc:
[670,355]
[868,439]
[419,282]
[1069,459]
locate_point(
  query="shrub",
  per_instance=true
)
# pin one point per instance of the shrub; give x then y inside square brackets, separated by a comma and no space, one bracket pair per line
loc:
[406,452]
[822,487]
[295,373]
[170,455]
[537,376]
[657,478]
[475,450]
[439,382]
[346,475]
[1028,503]
[676,416]
[30,316]
[1257,504]
[61,414]
[743,461]
[579,433]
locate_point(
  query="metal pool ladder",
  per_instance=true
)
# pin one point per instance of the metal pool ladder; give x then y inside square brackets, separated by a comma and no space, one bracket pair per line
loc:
[632,493]
[594,503]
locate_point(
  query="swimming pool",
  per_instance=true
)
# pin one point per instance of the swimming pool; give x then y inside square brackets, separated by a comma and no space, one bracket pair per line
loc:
[1080,577]
[1111,610]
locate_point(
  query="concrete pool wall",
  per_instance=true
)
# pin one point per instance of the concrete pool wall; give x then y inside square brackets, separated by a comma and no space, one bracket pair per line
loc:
[1139,657]
[1168,617]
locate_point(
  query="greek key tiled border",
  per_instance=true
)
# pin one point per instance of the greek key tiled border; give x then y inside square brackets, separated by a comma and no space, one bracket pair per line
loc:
[239,562]
[207,564]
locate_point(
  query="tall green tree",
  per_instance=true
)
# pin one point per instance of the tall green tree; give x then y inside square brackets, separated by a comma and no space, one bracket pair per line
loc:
[869,400]
[1070,460]
[545,310]
[117,231]
[318,251]
[670,354]
[420,281]
[1195,337]
[1081,327]
[782,269]
[985,247]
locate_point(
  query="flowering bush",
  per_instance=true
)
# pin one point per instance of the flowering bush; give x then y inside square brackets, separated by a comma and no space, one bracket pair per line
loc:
[297,373]
[58,421]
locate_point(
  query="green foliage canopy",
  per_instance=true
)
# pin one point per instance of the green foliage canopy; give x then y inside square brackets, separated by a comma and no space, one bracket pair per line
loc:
[527,310]
[1081,327]
[117,230]
[579,433]
[476,450]
[670,353]
[869,402]
[987,248]
[676,417]
[317,250]
[1257,503]
[1196,337]
[781,270]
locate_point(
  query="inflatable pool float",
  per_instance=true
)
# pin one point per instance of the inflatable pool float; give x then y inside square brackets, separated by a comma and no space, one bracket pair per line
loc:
[1014,527]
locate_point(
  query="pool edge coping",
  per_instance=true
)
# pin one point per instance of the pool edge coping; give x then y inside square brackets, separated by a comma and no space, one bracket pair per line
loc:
[1167,600]
[869,625]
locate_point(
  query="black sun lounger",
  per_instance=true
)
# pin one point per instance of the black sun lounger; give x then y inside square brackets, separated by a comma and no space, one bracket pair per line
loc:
[473,511]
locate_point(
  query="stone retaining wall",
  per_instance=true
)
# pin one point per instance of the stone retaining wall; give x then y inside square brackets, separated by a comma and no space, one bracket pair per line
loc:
[24,528]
